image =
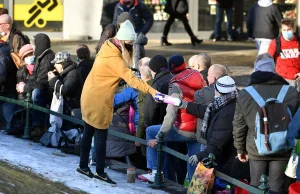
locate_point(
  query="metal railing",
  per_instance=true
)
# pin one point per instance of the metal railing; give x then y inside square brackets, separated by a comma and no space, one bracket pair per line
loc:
[158,182]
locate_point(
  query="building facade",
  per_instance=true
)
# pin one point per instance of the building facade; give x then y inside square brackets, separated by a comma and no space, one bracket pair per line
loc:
[80,19]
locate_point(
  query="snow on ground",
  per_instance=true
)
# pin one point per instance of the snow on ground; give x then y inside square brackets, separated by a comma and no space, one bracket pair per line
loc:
[41,161]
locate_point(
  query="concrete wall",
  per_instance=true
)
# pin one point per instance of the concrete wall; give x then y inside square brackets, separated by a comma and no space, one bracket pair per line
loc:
[82,19]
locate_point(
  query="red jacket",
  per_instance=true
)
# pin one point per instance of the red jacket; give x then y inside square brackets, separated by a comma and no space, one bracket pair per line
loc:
[189,81]
[288,62]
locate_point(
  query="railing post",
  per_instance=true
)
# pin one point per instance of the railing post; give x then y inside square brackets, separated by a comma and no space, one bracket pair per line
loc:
[264,183]
[158,180]
[27,130]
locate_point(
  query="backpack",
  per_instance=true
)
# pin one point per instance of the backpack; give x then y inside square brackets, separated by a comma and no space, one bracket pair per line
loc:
[271,123]
[278,46]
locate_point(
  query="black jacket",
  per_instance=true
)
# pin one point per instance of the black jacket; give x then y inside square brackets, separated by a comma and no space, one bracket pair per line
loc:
[84,68]
[72,86]
[219,134]
[225,3]
[264,22]
[142,17]
[171,7]
[154,112]
[22,76]
[8,72]
[42,65]
[108,32]
[108,12]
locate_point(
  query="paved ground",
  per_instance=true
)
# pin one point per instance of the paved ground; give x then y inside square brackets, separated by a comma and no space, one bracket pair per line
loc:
[238,57]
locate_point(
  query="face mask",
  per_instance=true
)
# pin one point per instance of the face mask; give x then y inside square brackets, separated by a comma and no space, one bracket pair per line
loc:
[128,47]
[288,35]
[29,60]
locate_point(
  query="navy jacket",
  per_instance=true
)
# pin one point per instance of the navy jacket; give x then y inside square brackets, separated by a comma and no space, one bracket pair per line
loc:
[8,72]
[142,17]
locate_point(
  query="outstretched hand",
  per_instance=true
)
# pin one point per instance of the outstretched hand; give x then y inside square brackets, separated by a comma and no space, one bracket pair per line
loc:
[193,160]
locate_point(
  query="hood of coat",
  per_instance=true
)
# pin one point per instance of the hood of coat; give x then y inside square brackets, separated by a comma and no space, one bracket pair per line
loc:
[108,50]
[42,43]
[260,77]
[136,2]
[265,3]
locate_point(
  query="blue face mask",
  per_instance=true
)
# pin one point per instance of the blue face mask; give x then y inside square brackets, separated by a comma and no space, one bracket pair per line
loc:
[29,60]
[288,35]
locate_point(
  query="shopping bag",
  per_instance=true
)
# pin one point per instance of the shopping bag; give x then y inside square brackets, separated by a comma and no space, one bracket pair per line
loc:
[291,168]
[57,106]
[202,181]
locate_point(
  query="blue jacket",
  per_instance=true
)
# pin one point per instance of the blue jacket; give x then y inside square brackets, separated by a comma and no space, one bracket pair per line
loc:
[128,95]
[142,17]
[294,133]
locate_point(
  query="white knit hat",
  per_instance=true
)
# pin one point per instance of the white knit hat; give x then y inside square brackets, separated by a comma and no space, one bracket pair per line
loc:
[126,31]
[225,85]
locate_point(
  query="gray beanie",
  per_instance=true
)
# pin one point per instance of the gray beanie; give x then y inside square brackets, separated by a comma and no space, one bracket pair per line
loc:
[123,17]
[264,62]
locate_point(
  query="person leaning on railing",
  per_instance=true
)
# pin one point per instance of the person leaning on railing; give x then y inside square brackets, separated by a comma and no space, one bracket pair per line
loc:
[111,65]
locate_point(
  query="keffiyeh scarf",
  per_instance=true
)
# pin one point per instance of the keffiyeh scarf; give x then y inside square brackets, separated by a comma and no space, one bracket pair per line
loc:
[216,105]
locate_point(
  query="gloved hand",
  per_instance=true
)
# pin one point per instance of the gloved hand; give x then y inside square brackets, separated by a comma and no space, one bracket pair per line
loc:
[193,160]
[183,104]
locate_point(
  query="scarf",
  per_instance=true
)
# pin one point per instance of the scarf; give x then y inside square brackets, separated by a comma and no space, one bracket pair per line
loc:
[213,107]
[265,3]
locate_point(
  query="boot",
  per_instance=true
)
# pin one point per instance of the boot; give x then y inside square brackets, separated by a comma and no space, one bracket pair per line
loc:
[195,40]
[164,40]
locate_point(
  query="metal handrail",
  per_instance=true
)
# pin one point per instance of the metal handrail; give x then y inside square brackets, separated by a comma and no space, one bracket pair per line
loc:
[160,147]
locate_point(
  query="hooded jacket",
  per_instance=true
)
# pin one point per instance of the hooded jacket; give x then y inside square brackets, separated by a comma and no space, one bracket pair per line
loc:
[71,83]
[84,68]
[264,20]
[268,85]
[8,72]
[100,86]
[142,17]
[42,65]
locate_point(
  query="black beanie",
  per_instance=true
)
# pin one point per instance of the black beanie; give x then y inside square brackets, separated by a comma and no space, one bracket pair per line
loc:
[158,63]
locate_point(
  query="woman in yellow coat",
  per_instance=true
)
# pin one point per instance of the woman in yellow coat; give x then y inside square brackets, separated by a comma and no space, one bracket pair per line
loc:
[111,65]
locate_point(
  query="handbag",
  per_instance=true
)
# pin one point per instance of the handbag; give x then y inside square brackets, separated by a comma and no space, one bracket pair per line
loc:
[52,138]
[202,181]
[291,168]
[182,7]
[17,59]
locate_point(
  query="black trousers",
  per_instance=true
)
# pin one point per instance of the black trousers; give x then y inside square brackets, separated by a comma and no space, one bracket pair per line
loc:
[100,147]
[272,168]
[185,22]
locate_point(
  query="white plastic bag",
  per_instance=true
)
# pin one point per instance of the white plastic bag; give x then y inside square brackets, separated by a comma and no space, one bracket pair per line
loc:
[291,168]
[57,106]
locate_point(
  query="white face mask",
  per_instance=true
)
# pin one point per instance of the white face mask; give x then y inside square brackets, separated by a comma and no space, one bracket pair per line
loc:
[29,60]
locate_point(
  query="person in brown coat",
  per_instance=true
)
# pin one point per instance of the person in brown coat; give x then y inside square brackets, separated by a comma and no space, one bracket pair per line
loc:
[111,65]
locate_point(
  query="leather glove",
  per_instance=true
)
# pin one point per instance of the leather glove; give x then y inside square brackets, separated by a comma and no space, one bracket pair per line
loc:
[193,160]
[183,104]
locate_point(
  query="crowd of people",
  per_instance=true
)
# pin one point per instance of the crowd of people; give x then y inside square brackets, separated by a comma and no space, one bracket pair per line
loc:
[117,91]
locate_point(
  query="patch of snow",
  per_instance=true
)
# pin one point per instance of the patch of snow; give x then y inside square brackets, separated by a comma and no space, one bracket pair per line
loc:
[40,160]
[12,184]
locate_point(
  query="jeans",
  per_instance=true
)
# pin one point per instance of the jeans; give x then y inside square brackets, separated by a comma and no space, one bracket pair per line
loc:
[39,98]
[275,171]
[262,45]
[219,21]
[185,22]
[192,145]
[100,147]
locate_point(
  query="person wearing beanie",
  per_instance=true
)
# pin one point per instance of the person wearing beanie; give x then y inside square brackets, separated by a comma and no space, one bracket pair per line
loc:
[111,65]
[217,124]
[37,83]
[155,112]
[177,125]
[142,20]
[111,30]
[23,73]
[267,84]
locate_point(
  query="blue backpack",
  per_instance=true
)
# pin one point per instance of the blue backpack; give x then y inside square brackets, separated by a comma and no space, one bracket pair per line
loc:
[271,123]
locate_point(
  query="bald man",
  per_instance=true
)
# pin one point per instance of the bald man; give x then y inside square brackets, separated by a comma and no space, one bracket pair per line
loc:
[201,63]
[11,35]
[206,95]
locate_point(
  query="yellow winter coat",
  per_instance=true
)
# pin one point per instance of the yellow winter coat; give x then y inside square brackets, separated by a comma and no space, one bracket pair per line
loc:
[99,88]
